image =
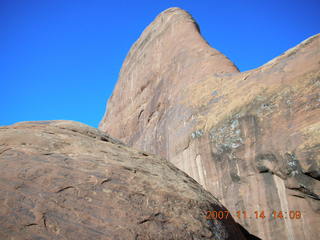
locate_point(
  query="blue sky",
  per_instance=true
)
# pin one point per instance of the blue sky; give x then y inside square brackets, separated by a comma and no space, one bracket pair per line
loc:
[60,59]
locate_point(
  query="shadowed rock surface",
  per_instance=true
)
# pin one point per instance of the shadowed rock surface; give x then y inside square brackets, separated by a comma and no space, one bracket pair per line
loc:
[66,180]
[252,139]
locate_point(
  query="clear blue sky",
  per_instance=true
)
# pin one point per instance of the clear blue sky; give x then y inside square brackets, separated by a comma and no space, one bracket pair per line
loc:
[60,59]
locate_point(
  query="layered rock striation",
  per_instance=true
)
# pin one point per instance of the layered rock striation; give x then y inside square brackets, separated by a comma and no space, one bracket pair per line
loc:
[250,138]
[66,180]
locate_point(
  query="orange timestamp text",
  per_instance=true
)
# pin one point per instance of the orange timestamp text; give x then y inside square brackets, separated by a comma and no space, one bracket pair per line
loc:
[293,214]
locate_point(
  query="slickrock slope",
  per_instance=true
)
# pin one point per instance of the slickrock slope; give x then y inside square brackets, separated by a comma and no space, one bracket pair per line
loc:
[252,139]
[65,180]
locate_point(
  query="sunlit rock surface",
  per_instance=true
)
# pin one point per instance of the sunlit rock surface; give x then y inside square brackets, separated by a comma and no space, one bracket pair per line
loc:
[250,138]
[66,180]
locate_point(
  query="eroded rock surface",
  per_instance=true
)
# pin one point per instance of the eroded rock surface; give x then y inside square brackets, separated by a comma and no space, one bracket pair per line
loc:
[252,139]
[66,180]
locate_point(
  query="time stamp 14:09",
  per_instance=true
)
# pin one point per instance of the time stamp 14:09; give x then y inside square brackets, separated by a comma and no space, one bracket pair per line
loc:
[254,215]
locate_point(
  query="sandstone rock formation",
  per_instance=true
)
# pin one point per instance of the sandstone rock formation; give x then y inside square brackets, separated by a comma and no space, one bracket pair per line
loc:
[65,180]
[250,138]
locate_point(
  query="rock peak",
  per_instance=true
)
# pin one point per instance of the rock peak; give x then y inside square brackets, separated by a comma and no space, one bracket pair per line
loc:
[169,52]
[174,14]
[175,10]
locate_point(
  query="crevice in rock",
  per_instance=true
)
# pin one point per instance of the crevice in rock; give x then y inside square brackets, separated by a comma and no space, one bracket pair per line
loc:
[129,169]
[105,181]
[44,219]
[30,224]
[313,175]
[140,114]
[4,150]
[154,217]
[306,192]
[65,188]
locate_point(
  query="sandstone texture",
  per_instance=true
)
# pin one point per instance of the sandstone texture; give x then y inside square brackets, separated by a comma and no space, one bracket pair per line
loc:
[250,138]
[66,180]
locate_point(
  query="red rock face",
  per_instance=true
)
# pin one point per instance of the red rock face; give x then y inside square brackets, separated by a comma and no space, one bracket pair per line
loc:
[252,138]
[66,180]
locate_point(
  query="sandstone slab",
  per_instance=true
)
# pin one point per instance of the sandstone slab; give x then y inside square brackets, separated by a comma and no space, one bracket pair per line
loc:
[66,180]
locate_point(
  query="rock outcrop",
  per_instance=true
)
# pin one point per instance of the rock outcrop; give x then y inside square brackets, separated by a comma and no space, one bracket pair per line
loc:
[65,180]
[250,138]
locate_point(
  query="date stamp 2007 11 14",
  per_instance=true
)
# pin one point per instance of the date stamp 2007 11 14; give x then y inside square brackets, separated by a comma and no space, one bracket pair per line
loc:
[293,214]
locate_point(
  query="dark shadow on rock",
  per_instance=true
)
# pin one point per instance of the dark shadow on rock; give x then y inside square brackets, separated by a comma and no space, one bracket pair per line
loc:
[248,235]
